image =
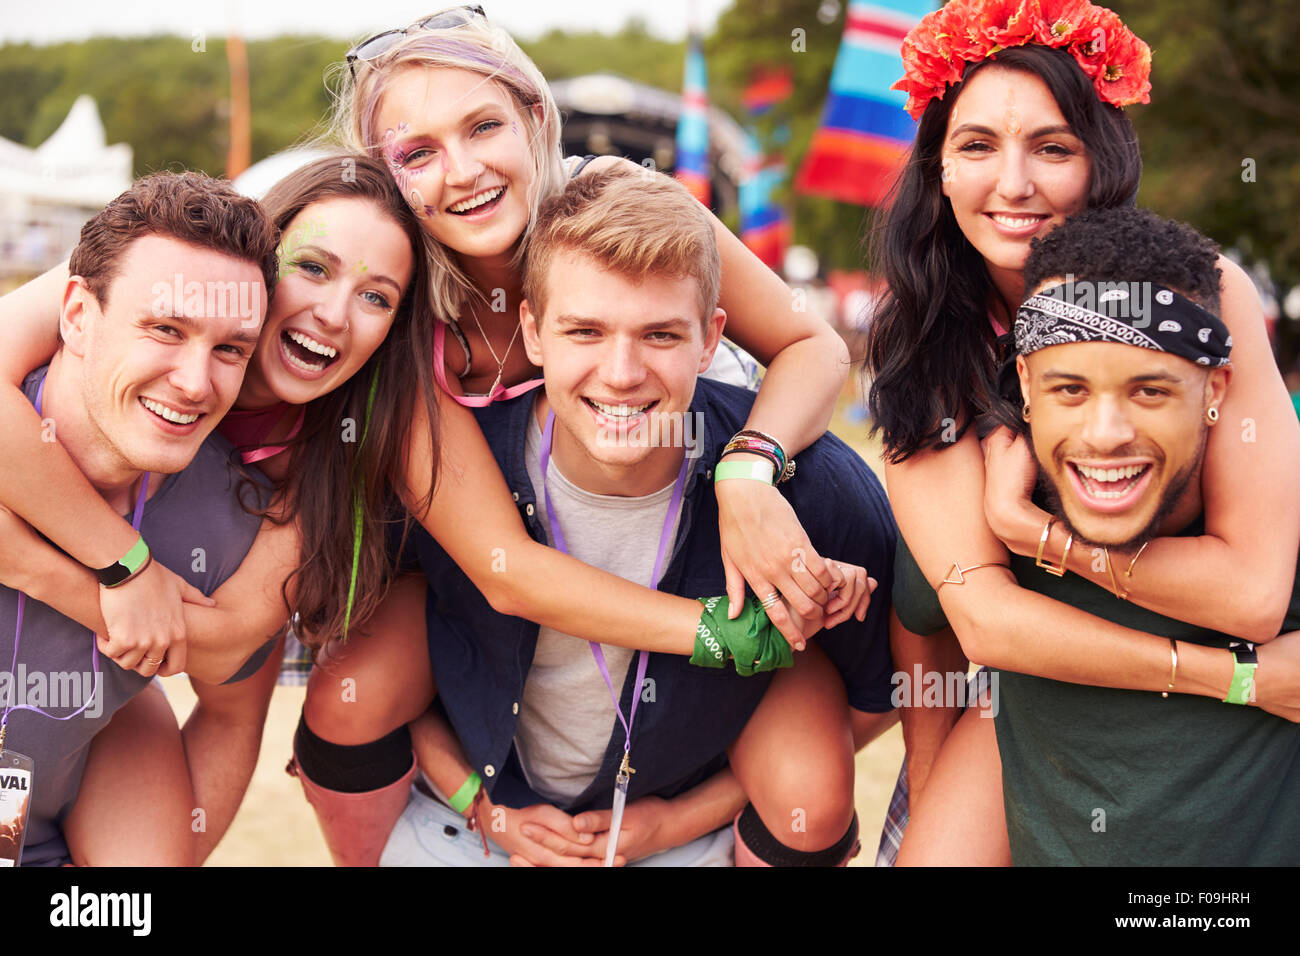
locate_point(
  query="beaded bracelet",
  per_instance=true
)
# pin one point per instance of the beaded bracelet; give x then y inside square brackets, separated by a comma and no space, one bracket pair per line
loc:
[753,447]
[752,441]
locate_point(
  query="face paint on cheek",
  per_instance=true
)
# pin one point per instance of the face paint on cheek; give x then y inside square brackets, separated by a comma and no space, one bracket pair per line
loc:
[514,127]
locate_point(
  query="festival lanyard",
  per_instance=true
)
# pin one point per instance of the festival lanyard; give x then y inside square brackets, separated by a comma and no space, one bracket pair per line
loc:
[22,602]
[643,656]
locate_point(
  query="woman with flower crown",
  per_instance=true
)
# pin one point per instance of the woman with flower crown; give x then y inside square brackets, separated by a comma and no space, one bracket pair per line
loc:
[1020,125]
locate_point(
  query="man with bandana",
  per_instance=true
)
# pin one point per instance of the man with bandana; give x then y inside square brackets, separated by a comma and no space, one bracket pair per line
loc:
[1120,369]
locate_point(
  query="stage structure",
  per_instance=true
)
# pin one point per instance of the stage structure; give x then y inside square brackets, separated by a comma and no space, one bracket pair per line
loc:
[607,114]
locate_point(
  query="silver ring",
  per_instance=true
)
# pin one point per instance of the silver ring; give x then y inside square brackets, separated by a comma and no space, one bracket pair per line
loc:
[770,600]
[150,660]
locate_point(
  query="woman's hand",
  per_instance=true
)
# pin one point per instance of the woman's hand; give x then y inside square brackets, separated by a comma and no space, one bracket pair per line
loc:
[146,622]
[1010,473]
[764,544]
[852,597]
[644,830]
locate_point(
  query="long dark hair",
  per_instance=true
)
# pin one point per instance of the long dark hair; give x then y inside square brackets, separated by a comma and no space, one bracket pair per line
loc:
[351,452]
[930,350]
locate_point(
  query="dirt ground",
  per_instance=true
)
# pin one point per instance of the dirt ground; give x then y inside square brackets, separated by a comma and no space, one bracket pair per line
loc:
[275,826]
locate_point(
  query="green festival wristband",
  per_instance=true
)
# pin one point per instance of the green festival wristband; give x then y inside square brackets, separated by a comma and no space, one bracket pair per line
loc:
[751,640]
[462,798]
[753,470]
[1242,688]
[126,567]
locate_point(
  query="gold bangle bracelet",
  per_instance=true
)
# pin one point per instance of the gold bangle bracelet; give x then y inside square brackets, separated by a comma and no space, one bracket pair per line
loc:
[1110,569]
[1128,575]
[960,572]
[1042,543]
[1173,666]
[1060,569]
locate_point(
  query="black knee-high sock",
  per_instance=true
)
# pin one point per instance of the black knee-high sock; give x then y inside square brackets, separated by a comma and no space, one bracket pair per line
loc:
[775,853]
[355,769]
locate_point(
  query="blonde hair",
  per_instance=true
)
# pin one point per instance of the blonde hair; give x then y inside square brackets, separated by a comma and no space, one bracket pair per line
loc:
[634,222]
[480,48]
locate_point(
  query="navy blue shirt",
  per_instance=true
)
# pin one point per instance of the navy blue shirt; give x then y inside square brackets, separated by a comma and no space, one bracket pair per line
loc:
[481,658]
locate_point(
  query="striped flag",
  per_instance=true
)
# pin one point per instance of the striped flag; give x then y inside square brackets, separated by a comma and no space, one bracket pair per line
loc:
[692,163]
[766,89]
[865,132]
[764,226]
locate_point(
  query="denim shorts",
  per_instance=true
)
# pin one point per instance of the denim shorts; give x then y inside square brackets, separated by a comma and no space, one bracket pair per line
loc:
[429,833]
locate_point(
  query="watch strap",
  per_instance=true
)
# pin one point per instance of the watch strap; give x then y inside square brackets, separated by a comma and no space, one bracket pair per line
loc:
[125,568]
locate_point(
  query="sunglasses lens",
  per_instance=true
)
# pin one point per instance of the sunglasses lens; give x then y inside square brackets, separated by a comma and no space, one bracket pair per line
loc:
[381,43]
[451,18]
[375,46]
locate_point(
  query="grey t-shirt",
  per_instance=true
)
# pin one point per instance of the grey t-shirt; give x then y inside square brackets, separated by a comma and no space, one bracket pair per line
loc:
[566,715]
[195,526]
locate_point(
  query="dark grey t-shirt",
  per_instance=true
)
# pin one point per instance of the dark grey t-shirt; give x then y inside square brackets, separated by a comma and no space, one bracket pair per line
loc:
[196,527]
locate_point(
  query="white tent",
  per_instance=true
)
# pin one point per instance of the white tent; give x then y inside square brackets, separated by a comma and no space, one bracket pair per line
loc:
[265,173]
[48,193]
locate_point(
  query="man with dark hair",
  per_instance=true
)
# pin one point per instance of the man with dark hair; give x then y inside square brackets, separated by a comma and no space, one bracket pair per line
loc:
[139,382]
[1121,367]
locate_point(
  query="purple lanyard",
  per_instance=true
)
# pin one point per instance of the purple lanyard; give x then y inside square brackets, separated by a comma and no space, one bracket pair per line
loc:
[22,603]
[670,519]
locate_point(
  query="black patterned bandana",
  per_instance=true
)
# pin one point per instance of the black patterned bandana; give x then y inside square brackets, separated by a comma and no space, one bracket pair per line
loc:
[1144,314]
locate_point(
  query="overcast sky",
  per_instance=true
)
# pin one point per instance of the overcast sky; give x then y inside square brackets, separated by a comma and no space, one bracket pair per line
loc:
[55,21]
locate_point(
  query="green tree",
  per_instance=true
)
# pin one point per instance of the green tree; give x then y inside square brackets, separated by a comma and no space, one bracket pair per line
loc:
[1221,136]
[788,34]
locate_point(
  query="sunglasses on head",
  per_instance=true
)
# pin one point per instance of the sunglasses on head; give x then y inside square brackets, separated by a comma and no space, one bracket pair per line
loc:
[381,43]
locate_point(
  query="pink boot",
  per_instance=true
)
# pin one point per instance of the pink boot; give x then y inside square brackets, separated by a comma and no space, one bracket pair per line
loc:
[356,826]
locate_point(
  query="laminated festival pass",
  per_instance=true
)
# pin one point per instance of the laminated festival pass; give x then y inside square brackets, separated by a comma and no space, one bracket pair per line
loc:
[15,801]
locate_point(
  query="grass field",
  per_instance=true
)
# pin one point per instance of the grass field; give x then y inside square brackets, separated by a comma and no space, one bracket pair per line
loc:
[275,826]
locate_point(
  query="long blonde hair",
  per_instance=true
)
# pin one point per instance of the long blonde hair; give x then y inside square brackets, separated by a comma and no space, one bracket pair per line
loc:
[481,48]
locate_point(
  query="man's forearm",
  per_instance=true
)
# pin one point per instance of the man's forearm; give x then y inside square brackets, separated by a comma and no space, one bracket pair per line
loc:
[704,808]
[438,752]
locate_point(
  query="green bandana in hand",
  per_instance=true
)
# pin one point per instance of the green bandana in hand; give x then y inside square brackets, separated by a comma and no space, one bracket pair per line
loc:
[751,639]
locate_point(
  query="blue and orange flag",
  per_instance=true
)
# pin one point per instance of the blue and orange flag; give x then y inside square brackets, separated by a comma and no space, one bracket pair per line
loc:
[764,225]
[865,132]
[692,163]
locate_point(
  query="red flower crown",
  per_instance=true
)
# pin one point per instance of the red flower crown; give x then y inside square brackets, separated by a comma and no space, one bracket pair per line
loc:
[967,31]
